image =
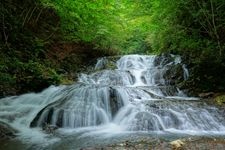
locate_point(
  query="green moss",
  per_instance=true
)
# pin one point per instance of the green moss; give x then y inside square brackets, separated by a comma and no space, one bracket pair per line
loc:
[220,100]
[66,81]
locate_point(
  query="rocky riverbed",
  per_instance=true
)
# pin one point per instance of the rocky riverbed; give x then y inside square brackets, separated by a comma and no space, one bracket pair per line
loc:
[191,143]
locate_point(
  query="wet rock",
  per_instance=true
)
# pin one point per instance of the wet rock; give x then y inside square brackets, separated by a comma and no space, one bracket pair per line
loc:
[6,132]
[48,128]
[174,74]
[115,102]
[206,95]
[163,59]
[106,63]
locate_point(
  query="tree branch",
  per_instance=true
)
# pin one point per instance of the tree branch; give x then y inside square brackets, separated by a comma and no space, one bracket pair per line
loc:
[31,14]
[26,17]
[4,32]
[38,16]
[215,29]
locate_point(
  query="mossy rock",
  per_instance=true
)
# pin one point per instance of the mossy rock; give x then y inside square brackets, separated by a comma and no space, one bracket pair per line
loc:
[66,81]
[220,100]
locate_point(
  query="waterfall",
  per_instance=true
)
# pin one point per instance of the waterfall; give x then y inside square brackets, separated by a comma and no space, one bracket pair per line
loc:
[133,93]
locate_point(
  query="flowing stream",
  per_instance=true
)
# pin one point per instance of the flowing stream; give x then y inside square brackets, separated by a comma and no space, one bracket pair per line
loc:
[127,96]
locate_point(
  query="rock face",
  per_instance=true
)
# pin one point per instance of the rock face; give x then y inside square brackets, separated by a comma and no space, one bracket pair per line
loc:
[6,132]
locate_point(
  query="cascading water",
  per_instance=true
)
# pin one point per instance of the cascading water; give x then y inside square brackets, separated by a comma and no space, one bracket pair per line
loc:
[138,94]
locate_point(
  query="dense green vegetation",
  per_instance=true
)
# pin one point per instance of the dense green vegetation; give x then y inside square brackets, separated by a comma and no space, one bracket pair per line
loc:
[22,63]
[34,53]
[194,29]
[109,25]
[43,40]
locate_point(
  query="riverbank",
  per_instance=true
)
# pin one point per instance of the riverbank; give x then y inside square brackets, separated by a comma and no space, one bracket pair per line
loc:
[191,143]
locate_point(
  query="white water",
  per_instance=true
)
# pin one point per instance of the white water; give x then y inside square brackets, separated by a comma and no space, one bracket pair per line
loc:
[139,96]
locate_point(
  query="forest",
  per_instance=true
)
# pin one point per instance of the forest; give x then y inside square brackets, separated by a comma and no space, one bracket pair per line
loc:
[46,42]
